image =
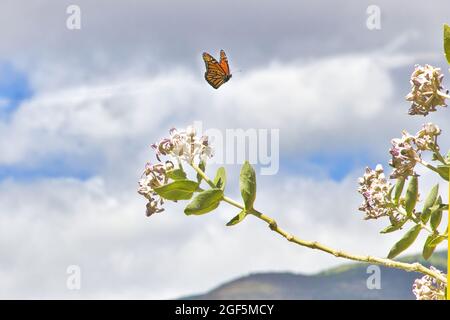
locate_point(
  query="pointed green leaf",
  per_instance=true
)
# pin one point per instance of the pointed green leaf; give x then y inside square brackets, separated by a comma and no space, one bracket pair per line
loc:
[430,245]
[389,194]
[438,239]
[429,201]
[447,42]
[238,218]
[443,171]
[177,190]
[436,214]
[177,174]
[221,178]
[411,195]
[398,189]
[202,166]
[395,224]
[428,249]
[390,229]
[247,184]
[394,227]
[204,202]
[434,156]
[407,240]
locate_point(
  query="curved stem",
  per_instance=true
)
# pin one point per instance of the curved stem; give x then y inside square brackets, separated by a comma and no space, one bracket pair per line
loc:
[439,156]
[429,166]
[203,175]
[417,267]
[416,221]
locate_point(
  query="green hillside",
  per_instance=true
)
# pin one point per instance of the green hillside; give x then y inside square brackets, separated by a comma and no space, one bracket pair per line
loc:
[347,281]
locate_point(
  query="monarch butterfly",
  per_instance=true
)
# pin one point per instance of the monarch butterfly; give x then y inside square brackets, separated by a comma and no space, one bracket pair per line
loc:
[217,73]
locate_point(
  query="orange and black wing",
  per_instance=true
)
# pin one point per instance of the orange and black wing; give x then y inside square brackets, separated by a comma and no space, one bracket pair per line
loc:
[215,75]
[224,62]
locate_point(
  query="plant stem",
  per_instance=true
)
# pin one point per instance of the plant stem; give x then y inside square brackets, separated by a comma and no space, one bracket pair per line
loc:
[439,156]
[415,220]
[203,175]
[429,166]
[416,267]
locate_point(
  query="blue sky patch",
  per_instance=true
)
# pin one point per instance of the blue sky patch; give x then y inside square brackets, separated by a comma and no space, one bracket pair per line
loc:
[51,168]
[14,88]
[329,165]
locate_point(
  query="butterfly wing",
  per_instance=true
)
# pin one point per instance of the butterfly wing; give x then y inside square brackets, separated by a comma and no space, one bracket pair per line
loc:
[214,74]
[224,62]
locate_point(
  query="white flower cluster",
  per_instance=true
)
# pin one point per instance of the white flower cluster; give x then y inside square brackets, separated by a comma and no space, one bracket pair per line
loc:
[185,145]
[406,151]
[429,288]
[154,175]
[375,189]
[426,90]
[404,156]
[426,138]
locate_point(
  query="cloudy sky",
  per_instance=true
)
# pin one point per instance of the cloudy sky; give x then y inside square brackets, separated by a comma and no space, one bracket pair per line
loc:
[79,109]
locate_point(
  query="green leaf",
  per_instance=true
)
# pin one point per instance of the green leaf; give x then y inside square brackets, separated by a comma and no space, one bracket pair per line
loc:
[429,246]
[429,201]
[177,174]
[238,218]
[395,224]
[436,214]
[443,171]
[202,166]
[438,239]
[177,190]
[407,240]
[398,189]
[204,202]
[447,42]
[411,195]
[221,178]
[434,156]
[391,188]
[247,185]
[394,227]
[390,229]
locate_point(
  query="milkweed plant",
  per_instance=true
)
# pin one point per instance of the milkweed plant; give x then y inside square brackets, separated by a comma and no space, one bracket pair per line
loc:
[394,198]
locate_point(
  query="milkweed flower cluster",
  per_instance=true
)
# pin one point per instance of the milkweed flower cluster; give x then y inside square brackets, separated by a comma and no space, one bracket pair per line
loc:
[426,138]
[404,156]
[154,175]
[375,189]
[406,151]
[429,288]
[426,90]
[183,145]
